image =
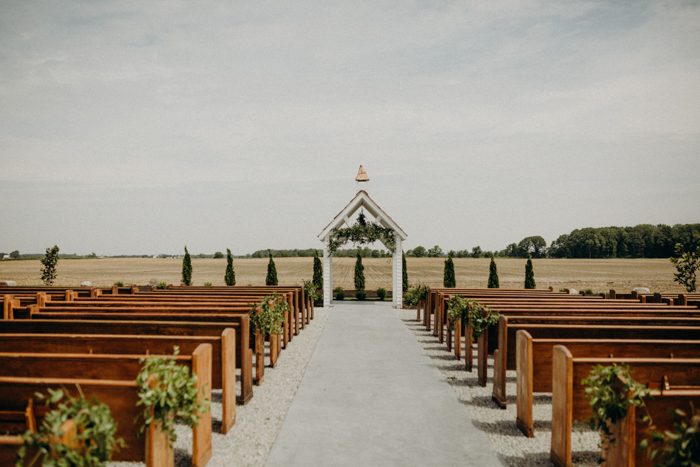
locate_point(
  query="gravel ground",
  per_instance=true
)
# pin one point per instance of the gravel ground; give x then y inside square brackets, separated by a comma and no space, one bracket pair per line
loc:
[499,425]
[259,421]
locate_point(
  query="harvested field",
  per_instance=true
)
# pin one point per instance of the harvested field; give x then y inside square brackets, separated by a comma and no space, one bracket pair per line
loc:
[595,274]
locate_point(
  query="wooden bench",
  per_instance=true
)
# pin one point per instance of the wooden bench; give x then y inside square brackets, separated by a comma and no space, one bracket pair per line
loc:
[534,362]
[243,354]
[569,403]
[63,366]
[630,431]
[232,317]
[504,356]
[120,396]
[223,355]
[160,305]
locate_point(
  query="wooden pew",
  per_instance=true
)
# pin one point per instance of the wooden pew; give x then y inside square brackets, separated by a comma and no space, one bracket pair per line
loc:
[159,305]
[233,317]
[568,398]
[62,366]
[630,431]
[120,396]
[243,354]
[300,313]
[223,355]
[585,330]
[534,362]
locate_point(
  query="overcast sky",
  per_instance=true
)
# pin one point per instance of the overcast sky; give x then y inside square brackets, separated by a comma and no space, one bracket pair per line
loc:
[139,127]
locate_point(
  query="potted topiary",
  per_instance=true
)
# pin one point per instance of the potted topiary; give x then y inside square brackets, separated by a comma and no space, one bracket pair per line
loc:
[76,431]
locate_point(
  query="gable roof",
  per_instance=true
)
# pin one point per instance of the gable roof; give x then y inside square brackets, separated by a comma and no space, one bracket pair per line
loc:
[362,200]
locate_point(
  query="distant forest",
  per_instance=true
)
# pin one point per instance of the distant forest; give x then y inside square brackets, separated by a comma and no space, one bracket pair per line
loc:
[640,241]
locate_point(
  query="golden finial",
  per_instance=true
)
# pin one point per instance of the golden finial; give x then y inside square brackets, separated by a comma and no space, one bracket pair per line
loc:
[362,175]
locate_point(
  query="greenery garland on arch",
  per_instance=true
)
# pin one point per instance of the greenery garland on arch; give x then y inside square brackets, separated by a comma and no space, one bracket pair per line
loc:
[362,232]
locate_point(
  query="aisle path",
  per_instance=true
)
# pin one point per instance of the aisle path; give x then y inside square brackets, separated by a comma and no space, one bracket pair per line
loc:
[371,397]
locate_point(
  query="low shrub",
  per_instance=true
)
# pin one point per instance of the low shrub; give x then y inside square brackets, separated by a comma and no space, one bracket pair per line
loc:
[339,293]
[381,293]
[207,284]
[162,285]
[119,284]
[361,295]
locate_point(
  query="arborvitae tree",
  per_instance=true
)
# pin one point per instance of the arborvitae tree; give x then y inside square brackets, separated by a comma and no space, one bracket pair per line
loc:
[404,278]
[318,273]
[271,278]
[187,268]
[529,275]
[449,279]
[230,276]
[49,262]
[359,274]
[493,275]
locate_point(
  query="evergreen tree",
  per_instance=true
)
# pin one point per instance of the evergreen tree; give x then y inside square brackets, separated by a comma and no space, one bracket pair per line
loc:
[448,279]
[49,262]
[318,275]
[187,268]
[493,275]
[404,278]
[230,276]
[359,278]
[529,275]
[271,278]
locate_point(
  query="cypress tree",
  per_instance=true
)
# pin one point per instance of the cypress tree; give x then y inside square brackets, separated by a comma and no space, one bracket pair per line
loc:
[404,278]
[230,276]
[493,275]
[187,268]
[318,275]
[359,278]
[448,279]
[49,262]
[529,274]
[271,278]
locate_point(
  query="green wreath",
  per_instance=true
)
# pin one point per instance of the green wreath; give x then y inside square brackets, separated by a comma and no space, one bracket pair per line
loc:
[362,232]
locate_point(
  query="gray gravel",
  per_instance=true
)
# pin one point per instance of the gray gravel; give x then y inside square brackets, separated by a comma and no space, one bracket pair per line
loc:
[259,421]
[513,447]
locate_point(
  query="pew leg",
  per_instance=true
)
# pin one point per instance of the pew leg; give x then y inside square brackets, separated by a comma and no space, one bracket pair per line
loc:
[482,355]
[159,452]
[259,358]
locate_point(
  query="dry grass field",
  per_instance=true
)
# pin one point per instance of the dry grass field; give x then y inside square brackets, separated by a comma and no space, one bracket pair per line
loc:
[595,274]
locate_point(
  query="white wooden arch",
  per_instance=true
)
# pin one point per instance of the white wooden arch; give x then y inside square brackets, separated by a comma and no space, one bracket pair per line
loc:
[344,218]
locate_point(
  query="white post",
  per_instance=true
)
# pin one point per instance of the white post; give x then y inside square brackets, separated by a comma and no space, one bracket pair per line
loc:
[398,274]
[327,277]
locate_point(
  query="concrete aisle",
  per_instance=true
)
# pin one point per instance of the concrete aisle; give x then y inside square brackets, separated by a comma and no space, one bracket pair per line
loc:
[371,397]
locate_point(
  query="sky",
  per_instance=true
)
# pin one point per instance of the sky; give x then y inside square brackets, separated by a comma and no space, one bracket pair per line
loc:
[130,127]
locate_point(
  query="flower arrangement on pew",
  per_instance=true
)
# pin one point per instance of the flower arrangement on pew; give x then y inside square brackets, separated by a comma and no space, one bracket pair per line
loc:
[76,431]
[268,314]
[311,291]
[680,447]
[457,309]
[481,317]
[414,294]
[168,394]
[610,391]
